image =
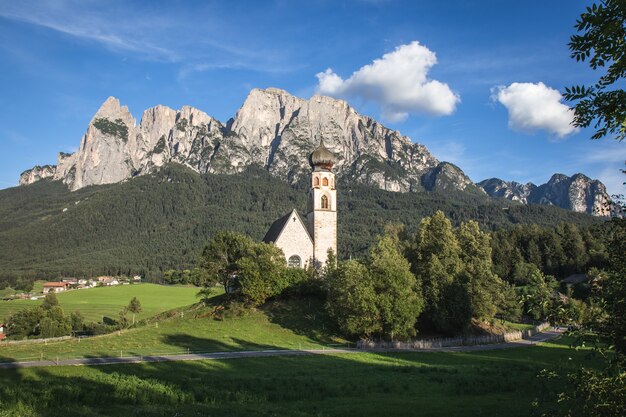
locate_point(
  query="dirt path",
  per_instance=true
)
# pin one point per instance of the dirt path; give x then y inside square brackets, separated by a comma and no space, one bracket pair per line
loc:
[538,338]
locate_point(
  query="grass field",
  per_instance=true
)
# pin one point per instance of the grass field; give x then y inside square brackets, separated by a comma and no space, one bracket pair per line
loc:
[94,303]
[288,324]
[492,383]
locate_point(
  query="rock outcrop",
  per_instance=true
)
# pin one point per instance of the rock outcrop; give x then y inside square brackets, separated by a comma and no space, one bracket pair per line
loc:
[37,173]
[273,129]
[277,131]
[577,193]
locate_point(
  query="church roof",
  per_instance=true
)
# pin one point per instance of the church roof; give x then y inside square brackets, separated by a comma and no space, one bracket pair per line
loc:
[277,227]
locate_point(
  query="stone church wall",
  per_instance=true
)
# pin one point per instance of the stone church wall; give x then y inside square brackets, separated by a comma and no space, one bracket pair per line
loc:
[294,240]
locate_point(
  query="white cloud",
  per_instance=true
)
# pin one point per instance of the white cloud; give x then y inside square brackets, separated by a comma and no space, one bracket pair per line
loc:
[535,106]
[398,82]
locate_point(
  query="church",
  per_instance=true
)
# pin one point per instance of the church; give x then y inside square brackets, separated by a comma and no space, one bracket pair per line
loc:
[308,244]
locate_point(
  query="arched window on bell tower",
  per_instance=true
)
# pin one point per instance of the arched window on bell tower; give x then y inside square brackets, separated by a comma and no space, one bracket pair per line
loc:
[316,182]
[325,202]
[325,182]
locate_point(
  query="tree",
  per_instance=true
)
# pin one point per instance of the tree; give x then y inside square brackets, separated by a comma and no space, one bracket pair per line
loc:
[262,273]
[54,323]
[134,306]
[398,293]
[602,30]
[477,271]
[25,322]
[77,321]
[537,295]
[351,300]
[221,257]
[436,263]
[49,301]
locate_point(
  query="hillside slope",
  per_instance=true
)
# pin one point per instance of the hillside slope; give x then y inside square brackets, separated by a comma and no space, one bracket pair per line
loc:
[163,220]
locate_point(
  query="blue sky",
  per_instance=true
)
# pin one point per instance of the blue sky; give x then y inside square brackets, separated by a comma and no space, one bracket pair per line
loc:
[474,81]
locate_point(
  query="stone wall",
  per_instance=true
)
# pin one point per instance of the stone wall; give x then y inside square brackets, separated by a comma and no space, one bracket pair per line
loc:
[295,240]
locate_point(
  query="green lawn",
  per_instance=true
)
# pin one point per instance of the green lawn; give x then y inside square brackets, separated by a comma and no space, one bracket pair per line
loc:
[94,303]
[288,325]
[496,383]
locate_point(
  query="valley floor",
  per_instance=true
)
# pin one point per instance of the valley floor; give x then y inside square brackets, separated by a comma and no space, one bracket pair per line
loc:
[488,383]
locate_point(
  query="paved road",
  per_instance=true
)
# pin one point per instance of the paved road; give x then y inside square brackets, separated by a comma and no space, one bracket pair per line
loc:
[538,338]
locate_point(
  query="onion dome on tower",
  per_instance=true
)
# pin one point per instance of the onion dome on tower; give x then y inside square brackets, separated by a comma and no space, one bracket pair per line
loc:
[322,158]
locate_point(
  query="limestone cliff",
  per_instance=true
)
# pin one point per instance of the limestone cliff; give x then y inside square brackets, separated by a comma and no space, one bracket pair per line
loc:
[37,173]
[277,131]
[577,193]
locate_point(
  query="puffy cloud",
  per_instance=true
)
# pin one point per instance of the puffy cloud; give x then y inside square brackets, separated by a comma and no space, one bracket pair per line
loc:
[535,106]
[398,82]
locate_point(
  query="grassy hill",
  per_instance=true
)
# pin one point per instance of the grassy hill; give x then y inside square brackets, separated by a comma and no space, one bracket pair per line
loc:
[282,325]
[491,383]
[94,303]
[157,222]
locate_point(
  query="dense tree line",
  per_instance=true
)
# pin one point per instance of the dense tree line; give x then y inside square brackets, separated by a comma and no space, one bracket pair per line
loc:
[558,251]
[155,223]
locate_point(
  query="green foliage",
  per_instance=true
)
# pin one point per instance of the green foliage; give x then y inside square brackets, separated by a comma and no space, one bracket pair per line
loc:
[77,321]
[117,128]
[221,258]
[352,300]
[54,323]
[558,251]
[436,261]
[160,145]
[262,273]
[489,384]
[537,295]
[154,223]
[25,323]
[602,30]
[196,276]
[49,301]
[181,124]
[381,298]
[134,306]
[398,293]
[44,321]
[248,270]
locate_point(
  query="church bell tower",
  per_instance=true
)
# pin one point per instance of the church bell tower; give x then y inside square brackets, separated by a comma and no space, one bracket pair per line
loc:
[322,205]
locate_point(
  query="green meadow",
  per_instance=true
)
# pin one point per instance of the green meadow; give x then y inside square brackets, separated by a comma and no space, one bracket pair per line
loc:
[95,303]
[279,325]
[490,383]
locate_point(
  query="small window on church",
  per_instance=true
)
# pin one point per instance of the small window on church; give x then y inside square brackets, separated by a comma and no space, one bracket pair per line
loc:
[294,261]
[324,202]
[316,182]
[325,182]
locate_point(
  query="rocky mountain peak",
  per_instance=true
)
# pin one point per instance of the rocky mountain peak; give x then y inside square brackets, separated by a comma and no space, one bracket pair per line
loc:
[578,193]
[112,109]
[278,131]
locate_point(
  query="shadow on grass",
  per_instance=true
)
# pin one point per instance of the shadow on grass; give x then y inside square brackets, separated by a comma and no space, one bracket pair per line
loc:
[368,384]
[305,317]
[204,345]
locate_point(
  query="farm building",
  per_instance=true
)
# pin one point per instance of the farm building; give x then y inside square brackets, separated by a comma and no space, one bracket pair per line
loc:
[54,287]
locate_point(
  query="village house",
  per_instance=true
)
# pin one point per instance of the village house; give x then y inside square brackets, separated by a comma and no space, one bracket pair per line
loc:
[107,280]
[55,287]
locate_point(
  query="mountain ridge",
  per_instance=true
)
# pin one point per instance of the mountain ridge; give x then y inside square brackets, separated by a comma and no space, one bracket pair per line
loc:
[277,131]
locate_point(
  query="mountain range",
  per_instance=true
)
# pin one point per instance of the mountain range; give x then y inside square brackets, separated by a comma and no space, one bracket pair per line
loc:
[277,131]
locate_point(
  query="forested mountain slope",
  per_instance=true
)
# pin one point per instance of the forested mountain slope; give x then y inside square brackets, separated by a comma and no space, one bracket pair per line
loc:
[163,220]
